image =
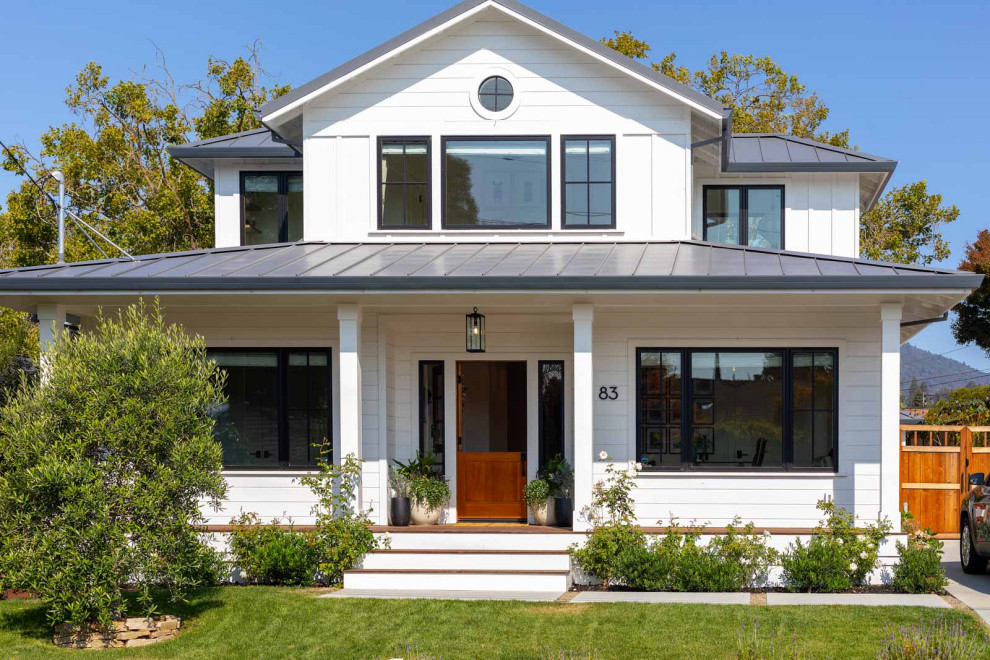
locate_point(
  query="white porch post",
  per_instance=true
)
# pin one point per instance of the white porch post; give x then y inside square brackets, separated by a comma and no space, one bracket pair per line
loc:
[349,317]
[584,316]
[890,434]
[51,323]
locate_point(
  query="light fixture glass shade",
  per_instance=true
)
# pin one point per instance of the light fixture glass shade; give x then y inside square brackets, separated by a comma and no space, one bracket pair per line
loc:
[475,332]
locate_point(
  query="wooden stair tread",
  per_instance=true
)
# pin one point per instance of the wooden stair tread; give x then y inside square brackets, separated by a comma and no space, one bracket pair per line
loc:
[452,571]
[468,551]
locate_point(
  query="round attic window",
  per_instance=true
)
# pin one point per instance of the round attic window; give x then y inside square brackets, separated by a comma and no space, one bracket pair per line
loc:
[495,94]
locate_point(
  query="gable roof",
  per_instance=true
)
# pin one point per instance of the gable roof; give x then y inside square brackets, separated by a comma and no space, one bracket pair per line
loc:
[599,266]
[299,95]
[775,152]
[257,143]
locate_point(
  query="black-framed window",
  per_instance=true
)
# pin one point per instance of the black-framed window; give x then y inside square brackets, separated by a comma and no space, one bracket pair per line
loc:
[277,409]
[431,410]
[588,173]
[551,412]
[271,207]
[404,182]
[737,409]
[744,215]
[496,182]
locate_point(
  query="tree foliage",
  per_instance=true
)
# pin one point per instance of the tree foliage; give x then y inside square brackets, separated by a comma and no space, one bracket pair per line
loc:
[119,175]
[904,226]
[966,406]
[972,323]
[105,467]
[18,351]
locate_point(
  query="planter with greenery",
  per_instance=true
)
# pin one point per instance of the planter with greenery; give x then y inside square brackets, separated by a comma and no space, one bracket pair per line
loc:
[560,476]
[399,505]
[429,491]
[536,494]
[105,469]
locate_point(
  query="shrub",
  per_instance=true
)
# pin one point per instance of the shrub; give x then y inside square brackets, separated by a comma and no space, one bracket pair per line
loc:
[269,554]
[919,570]
[758,643]
[966,406]
[933,639]
[837,557]
[559,475]
[536,493]
[105,467]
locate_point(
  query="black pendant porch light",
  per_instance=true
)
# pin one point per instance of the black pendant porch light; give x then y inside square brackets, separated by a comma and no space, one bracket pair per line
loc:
[475,327]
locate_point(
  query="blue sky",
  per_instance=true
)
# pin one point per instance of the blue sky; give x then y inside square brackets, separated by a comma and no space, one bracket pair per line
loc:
[908,78]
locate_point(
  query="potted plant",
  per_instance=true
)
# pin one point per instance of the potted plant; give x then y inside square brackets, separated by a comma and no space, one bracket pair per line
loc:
[428,489]
[560,476]
[536,494]
[399,505]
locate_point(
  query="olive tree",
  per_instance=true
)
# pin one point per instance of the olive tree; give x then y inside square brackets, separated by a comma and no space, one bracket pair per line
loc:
[104,467]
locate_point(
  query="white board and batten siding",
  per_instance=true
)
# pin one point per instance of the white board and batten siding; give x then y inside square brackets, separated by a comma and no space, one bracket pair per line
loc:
[427,92]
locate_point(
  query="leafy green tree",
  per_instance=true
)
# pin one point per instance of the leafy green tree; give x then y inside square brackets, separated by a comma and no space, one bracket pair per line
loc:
[105,467]
[965,406]
[972,322]
[905,224]
[119,175]
[18,350]
[916,397]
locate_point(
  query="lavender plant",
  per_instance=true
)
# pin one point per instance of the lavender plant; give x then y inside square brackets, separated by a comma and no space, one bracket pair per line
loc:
[933,639]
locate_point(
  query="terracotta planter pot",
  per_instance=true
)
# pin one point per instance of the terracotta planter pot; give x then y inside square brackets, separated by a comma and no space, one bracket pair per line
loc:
[420,515]
[541,513]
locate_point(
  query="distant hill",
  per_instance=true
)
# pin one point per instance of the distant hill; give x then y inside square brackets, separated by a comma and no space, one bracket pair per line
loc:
[942,374]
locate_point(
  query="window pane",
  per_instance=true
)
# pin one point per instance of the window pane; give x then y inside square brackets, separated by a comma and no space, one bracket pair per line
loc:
[601,204]
[307,396]
[495,183]
[659,409]
[764,210]
[294,206]
[392,209]
[489,86]
[600,158]
[417,164]
[502,101]
[247,424]
[260,200]
[722,215]
[416,215]
[576,160]
[737,409]
[814,410]
[551,410]
[392,163]
[431,410]
[824,381]
[576,204]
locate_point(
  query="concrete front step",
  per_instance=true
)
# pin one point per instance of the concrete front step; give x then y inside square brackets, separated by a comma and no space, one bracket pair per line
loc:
[481,541]
[446,559]
[398,580]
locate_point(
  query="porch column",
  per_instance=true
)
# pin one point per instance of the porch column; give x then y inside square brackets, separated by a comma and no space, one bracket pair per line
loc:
[890,433]
[584,316]
[51,323]
[349,317]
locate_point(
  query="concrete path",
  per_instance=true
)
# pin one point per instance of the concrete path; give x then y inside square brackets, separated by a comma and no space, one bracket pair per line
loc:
[874,600]
[535,596]
[973,590]
[661,597]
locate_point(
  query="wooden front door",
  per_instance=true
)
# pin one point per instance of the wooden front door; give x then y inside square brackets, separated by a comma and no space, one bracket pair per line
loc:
[490,481]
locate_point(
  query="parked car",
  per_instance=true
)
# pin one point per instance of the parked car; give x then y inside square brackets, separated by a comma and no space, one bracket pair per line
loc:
[974,527]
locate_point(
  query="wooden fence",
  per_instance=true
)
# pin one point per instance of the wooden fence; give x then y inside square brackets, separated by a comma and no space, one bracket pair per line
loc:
[936,462]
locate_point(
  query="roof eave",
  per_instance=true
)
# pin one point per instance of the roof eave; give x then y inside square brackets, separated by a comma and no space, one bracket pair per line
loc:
[860,168]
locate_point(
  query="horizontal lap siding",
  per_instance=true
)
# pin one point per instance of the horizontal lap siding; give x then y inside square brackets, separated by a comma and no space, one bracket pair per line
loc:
[781,501]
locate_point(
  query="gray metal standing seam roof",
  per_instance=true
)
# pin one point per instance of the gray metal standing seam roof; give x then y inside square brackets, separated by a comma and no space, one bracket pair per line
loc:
[772,152]
[517,7]
[257,143]
[323,267]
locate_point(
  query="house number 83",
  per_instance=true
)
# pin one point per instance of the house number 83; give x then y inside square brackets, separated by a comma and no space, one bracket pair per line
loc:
[608,393]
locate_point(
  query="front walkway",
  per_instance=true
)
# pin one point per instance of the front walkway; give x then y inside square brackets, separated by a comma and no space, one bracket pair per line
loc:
[972,590]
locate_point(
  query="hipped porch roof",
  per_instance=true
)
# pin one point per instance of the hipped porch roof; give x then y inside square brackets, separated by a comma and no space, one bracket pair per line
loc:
[482,266]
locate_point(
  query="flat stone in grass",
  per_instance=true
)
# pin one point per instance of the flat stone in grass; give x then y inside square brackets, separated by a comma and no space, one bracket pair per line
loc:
[127,633]
[728,598]
[874,600]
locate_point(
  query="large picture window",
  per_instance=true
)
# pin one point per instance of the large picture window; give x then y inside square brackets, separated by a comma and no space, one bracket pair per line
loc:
[271,207]
[589,181]
[711,409]
[496,183]
[744,215]
[404,183]
[277,409]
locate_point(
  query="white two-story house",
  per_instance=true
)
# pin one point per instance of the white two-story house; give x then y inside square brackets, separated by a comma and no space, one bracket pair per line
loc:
[654,288]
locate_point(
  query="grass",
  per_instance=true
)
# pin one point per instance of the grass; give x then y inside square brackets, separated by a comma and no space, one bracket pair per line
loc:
[267,622]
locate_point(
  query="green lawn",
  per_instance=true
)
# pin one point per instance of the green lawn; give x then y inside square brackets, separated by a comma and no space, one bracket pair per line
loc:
[258,622]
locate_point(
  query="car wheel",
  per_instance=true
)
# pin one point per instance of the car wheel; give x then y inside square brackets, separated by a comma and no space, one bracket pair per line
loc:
[970,559]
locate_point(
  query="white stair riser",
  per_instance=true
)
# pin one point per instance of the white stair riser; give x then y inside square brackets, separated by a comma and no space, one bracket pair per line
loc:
[453,561]
[440,541]
[397,582]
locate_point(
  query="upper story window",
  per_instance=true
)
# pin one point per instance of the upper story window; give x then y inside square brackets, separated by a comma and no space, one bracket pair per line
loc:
[271,207]
[589,181]
[495,94]
[404,183]
[744,215]
[498,182]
